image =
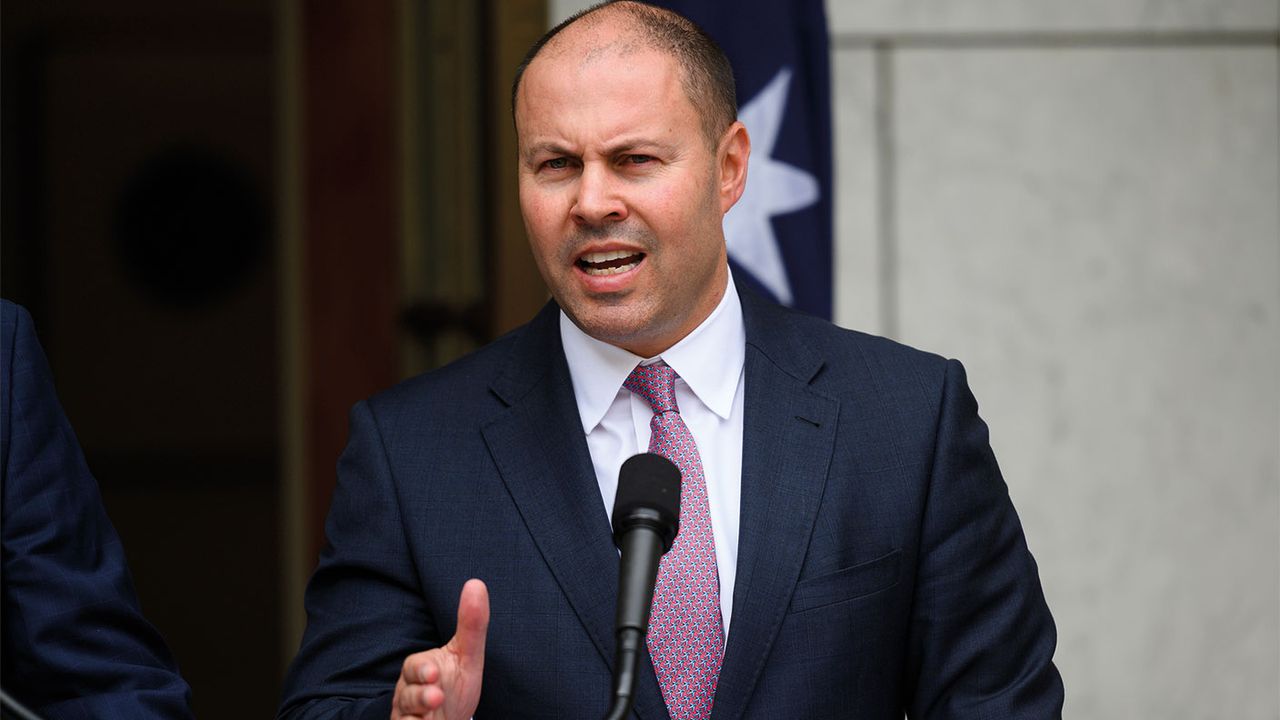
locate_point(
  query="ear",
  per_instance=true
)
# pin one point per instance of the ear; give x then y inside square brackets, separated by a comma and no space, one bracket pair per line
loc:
[731,162]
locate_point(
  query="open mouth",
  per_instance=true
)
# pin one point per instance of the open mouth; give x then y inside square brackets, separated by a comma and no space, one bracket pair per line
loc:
[610,262]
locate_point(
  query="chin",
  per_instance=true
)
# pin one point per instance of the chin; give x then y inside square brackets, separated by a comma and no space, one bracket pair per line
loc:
[622,331]
[612,333]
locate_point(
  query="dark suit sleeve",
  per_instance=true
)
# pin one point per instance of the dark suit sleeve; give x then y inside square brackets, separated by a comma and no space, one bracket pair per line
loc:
[365,611]
[75,642]
[982,638]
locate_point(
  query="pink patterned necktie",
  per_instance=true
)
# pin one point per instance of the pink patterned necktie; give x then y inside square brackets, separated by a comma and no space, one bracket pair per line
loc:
[686,636]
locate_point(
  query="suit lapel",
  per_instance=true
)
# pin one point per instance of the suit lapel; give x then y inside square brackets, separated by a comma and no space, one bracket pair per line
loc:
[787,442]
[543,458]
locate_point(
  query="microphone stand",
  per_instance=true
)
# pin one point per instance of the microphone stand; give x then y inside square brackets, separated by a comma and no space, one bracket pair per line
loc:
[11,709]
[624,673]
[644,544]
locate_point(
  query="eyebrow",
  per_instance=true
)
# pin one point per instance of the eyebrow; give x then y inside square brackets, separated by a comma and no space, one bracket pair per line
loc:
[543,147]
[618,148]
[628,144]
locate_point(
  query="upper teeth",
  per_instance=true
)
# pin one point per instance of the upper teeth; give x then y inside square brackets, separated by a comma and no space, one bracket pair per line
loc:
[606,256]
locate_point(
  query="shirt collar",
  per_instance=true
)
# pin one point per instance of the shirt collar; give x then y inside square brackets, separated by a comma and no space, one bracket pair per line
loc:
[709,360]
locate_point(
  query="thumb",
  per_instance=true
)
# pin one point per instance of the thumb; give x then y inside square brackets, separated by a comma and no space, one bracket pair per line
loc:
[473,622]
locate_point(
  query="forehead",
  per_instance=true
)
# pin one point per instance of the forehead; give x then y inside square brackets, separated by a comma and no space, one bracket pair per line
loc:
[603,79]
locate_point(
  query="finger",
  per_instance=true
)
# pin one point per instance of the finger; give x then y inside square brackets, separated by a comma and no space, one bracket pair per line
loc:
[420,668]
[408,701]
[473,622]
[432,697]
[418,700]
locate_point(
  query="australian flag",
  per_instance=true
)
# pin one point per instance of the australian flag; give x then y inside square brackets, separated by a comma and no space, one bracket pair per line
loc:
[779,233]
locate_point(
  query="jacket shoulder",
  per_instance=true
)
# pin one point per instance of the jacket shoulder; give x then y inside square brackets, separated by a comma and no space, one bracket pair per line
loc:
[13,319]
[852,361]
[458,390]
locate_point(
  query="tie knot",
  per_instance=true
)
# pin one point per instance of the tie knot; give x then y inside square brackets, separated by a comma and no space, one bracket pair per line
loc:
[655,383]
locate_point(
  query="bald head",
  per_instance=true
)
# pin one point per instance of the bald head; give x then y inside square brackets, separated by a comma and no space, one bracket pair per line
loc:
[624,27]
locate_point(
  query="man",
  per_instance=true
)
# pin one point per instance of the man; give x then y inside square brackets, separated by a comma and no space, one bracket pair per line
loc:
[847,546]
[75,643]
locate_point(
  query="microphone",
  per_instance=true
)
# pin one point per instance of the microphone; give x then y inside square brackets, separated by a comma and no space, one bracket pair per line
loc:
[646,518]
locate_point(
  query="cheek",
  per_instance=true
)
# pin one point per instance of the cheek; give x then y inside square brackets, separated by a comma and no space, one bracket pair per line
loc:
[532,205]
[538,228]
[545,250]
[542,212]
[665,209]
[683,213]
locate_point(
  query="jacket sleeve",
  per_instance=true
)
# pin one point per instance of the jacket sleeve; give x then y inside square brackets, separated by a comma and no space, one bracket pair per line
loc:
[75,642]
[365,610]
[982,638]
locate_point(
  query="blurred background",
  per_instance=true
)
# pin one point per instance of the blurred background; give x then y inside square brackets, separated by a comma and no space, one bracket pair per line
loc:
[231,219]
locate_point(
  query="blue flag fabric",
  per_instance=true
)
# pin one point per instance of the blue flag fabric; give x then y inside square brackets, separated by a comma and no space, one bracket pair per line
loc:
[780,231]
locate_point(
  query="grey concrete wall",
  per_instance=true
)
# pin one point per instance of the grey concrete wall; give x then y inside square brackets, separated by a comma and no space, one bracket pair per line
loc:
[1080,201]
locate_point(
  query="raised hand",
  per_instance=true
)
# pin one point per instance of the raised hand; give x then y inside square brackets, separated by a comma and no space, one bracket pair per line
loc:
[444,683]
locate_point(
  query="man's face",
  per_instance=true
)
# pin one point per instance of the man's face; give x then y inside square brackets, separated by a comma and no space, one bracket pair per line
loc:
[622,194]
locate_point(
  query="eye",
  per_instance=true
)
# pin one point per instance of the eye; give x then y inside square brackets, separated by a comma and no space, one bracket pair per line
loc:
[556,163]
[639,159]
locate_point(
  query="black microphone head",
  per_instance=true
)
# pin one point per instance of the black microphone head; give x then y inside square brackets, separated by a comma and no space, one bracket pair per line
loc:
[648,494]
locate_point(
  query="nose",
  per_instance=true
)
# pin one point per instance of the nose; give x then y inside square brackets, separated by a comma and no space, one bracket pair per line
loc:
[598,202]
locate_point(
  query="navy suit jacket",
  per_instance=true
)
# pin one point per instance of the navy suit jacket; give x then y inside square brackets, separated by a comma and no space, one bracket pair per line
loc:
[881,567]
[75,644]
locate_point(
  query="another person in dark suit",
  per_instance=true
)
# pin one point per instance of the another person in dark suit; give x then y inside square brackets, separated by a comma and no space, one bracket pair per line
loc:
[75,644]
[847,545]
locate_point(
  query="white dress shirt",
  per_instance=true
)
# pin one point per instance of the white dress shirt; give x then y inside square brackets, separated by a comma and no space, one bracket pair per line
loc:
[709,391]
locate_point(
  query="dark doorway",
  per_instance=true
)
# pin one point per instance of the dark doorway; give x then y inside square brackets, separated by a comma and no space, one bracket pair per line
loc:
[139,176]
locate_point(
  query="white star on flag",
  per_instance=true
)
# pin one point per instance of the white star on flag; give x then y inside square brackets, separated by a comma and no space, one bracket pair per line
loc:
[773,188]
